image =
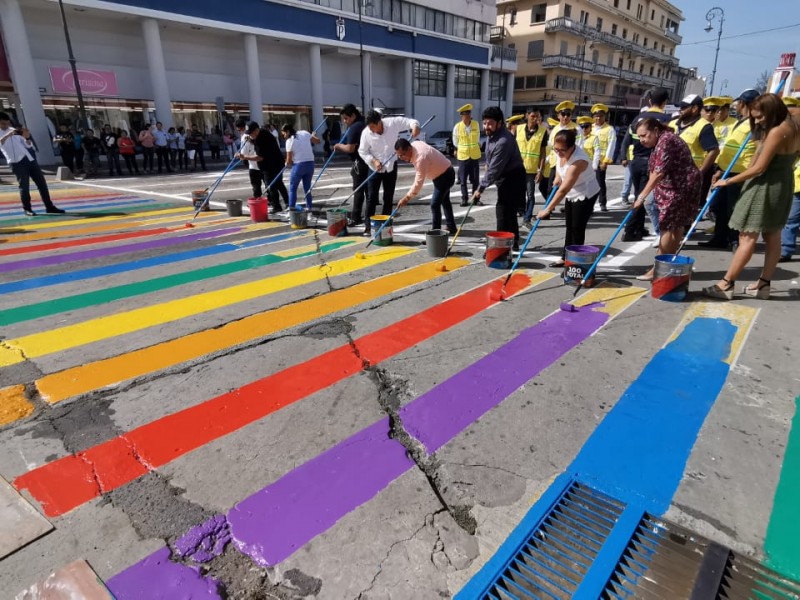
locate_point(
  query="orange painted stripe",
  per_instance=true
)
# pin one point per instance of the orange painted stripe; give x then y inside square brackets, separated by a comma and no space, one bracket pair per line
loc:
[85,242]
[65,484]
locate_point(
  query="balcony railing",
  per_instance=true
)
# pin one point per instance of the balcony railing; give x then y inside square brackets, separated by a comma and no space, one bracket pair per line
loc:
[505,53]
[673,36]
[579,64]
[591,33]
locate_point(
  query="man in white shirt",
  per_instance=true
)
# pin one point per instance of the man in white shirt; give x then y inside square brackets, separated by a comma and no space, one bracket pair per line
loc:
[162,150]
[377,150]
[18,149]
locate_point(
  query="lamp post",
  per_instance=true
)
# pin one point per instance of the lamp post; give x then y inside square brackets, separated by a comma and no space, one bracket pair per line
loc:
[361,53]
[723,86]
[81,106]
[715,12]
[502,56]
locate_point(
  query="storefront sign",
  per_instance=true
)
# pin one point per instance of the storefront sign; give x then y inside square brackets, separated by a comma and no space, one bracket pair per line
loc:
[93,83]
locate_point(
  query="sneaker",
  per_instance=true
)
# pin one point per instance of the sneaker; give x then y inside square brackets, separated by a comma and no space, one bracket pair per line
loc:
[630,237]
[785,259]
[454,230]
[354,222]
[30,213]
[464,203]
[528,225]
[54,210]
[603,208]
[367,233]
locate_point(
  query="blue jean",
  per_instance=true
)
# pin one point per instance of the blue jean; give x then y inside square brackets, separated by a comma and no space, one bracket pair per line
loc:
[440,200]
[530,197]
[651,208]
[626,186]
[303,171]
[789,233]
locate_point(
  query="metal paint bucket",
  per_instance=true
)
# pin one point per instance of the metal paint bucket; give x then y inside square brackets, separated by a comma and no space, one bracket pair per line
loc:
[298,218]
[498,249]
[671,277]
[337,222]
[385,238]
[259,209]
[577,262]
[234,208]
[436,243]
[198,198]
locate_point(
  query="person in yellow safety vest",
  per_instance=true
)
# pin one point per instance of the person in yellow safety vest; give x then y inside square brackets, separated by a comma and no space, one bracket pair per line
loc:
[513,122]
[532,140]
[699,136]
[726,197]
[711,106]
[466,139]
[564,111]
[724,115]
[789,232]
[544,184]
[607,137]
[589,141]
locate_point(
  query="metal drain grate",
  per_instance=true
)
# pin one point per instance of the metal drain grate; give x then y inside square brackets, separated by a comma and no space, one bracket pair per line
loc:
[556,557]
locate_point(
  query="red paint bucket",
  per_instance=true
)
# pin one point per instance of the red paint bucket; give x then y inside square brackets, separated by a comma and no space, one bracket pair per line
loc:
[337,222]
[671,277]
[498,249]
[259,209]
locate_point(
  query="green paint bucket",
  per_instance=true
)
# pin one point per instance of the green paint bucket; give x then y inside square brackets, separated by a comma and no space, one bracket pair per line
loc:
[385,238]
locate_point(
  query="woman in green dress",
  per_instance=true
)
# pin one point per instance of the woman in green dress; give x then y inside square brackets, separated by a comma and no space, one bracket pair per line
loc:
[766,196]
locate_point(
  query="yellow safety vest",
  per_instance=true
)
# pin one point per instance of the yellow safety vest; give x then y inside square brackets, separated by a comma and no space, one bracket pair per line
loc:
[468,143]
[691,135]
[604,135]
[588,146]
[736,136]
[722,129]
[530,149]
[797,177]
[552,159]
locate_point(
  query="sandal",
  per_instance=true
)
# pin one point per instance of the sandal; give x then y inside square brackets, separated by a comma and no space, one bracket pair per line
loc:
[714,291]
[761,291]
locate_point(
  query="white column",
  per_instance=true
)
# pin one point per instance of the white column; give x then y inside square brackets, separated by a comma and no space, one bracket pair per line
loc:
[485,75]
[408,81]
[509,93]
[315,63]
[158,71]
[450,93]
[366,64]
[253,77]
[20,61]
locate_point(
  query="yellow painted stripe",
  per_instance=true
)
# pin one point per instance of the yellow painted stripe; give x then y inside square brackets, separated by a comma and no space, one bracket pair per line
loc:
[47,342]
[615,298]
[741,317]
[14,405]
[151,213]
[110,371]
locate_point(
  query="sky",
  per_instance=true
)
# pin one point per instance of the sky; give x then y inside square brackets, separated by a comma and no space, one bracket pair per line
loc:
[741,59]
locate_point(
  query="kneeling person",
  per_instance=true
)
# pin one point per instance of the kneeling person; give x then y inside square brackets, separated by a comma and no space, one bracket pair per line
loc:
[431,164]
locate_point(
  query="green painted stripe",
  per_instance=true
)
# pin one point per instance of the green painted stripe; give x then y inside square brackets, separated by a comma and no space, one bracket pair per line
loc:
[782,544]
[129,290]
[78,212]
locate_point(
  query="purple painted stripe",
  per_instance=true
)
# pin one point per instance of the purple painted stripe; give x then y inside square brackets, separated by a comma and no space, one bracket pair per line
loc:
[55,259]
[158,578]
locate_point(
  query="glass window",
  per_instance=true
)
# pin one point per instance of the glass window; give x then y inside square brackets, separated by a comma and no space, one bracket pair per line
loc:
[497,86]
[614,29]
[468,83]
[448,24]
[420,17]
[535,49]
[460,24]
[599,23]
[430,19]
[533,82]
[470,29]
[538,13]
[430,79]
[439,22]
[513,17]
[595,56]
[519,83]
[564,48]
[624,34]
[567,10]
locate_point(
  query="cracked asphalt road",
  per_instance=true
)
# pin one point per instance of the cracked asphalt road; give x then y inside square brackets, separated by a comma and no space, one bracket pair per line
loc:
[431,528]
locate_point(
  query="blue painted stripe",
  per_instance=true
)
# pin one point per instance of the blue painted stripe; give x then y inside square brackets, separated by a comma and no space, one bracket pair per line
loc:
[154,261]
[639,451]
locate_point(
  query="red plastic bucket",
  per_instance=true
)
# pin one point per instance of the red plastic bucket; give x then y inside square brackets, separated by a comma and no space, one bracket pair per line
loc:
[259,209]
[498,249]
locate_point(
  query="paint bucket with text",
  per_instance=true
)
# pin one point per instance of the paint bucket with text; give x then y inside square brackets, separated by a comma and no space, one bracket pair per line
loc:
[386,237]
[259,211]
[577,262]
[337,221]
[198,198]
[671,277]
[498,249]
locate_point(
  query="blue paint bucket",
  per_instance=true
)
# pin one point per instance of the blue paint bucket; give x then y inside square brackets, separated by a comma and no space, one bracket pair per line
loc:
[386,238]
[577,262]
[671,277]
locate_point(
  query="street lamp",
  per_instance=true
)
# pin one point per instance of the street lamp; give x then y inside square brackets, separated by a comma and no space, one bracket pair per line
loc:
[360,52]
[722,88]
[81,107]
[715,12]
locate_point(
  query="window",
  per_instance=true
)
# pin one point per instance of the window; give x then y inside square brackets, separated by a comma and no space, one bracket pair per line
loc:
[610,62]
[468,83]
[652,15]
[616,3]
[651,70]
[659,72]
[629,4]
[639,12]
[631,65]
[662,48]
[430,79]
[497,86]
[619,63]
[563,82]
[599,24]
[641,68]
[533,82]
[624,34]
[535,49]
[645,42]
[662,21]
[567,10]
[564,48]
[595,56]
[538,13]
[519,83]
[513,17]
[614,29]
[584,17]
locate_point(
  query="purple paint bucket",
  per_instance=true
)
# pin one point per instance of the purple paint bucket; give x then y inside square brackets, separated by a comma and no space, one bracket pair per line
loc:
[577,262]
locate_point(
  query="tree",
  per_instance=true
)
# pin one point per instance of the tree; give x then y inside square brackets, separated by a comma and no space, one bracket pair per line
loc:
[763,81]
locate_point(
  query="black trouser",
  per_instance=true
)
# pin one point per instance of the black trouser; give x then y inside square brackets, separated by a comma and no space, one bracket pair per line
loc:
[544,187]
[79,159]
[199,155]
[510,196]
[173,157]
[440,200]
[68,156]
[214,152]
[388,181]
[277,188]
[723,203]
[639,176]
[600,174]
[183,159]
[359,173]
[25,171]
[256,179]
[468,172]
[577,213]
[112,157]
[130,163]
[147,159]
[162,154]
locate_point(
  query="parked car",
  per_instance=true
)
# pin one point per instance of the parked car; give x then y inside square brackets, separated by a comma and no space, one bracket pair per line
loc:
[443,142]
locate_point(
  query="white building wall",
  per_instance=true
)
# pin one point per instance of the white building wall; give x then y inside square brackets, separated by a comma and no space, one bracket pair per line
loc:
[427,106]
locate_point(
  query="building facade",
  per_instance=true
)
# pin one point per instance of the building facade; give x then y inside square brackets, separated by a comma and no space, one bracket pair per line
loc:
[589,51]
[206,62]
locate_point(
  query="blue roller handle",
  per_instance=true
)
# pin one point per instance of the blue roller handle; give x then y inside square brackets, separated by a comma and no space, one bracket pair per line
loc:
[280,173]
[378,233]
[603,252]
[231,165]
[528,239]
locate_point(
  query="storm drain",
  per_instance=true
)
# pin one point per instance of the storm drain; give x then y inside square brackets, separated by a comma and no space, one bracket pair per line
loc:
[585,544]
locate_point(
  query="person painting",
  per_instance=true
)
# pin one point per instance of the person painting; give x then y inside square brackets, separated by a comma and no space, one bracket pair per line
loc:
[300,159]
[249,152]
[504,169]
[577,184]
[532,139]
[359,171]
[466,139]
[564,112]
[766,196]
[789,233]
[675,182]
[431,164]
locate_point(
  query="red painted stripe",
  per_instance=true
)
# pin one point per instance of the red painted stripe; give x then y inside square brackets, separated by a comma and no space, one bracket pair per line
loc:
[85,242]
[65,484]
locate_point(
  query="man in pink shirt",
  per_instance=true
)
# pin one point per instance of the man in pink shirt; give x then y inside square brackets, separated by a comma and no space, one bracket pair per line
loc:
[431,164]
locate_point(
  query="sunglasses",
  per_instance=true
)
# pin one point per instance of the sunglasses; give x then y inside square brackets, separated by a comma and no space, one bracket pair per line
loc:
[586,125]
[566,113]
[710,108]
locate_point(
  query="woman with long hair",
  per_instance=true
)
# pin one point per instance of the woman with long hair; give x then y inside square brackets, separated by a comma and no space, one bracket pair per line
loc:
[300,158]
[674,181]
[766,196]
